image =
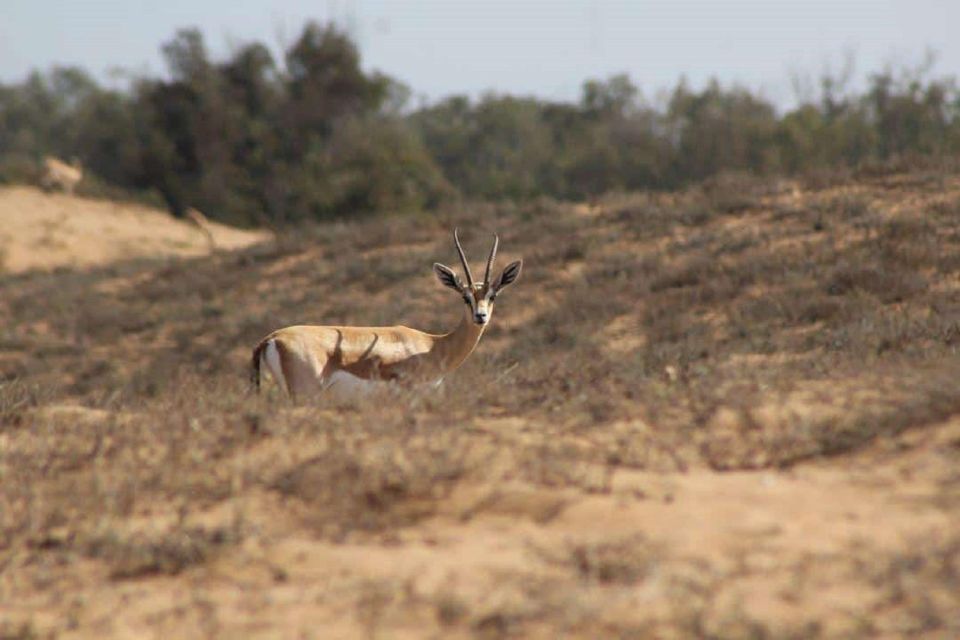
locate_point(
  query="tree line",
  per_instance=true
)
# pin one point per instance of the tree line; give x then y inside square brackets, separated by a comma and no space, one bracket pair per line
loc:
[257,140]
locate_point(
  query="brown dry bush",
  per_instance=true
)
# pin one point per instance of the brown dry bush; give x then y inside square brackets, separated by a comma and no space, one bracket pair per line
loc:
[624,561]
[169,553]
[390,473]
[802,423]
[922,583]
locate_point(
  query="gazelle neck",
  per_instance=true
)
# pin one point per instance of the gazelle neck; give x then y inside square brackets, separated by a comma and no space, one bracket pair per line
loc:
[453,348]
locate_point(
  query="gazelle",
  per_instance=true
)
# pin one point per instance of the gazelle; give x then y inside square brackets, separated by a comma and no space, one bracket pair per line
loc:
[57,173]
[306,359]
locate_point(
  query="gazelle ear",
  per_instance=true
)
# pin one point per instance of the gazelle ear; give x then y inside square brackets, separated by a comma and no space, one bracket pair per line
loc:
[447,277]
[510,273]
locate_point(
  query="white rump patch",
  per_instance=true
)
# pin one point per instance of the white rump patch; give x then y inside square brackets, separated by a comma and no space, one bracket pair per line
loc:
[270,360]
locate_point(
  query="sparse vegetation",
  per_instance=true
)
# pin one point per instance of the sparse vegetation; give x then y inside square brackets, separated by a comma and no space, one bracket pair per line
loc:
[674,409]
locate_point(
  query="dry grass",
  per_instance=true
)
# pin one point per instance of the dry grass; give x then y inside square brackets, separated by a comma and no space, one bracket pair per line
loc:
[566,481]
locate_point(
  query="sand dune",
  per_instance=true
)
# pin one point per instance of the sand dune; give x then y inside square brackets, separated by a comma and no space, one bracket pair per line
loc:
[41,231]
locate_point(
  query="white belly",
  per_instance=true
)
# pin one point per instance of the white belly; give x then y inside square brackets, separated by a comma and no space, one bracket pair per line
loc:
[344,384]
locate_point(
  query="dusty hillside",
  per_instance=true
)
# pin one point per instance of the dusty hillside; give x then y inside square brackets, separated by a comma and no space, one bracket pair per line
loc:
[731,412]
[48,230]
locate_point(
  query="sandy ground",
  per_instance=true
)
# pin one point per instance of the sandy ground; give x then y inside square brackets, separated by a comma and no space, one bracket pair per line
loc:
[818,548]
[42,231]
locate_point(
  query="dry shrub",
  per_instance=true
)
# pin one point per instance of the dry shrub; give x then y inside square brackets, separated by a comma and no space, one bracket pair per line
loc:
[798,424]
[137,555]
[391,480]
[694,271]
[821,178]
[789,308]
[919,588]
[19,630]
[733,192]
[848,207]
[16,399]
[625,561]
[888,283]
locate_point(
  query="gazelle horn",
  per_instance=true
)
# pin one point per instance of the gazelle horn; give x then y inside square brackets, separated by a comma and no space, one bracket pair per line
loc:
[493,256]
[463,259]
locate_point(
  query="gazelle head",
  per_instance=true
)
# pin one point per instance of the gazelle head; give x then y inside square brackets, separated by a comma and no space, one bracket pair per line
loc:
[479,296]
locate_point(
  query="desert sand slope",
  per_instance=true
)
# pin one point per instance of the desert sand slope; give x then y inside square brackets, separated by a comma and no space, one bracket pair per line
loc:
[731,412]
[45,231]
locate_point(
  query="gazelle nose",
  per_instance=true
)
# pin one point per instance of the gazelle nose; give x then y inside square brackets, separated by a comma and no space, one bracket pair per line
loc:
[480,317]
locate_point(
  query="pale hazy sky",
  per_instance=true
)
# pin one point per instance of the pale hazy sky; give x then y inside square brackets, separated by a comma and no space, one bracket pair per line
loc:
[538,47]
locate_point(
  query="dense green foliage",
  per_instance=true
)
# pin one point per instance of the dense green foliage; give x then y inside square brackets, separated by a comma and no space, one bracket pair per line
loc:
[253,140]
